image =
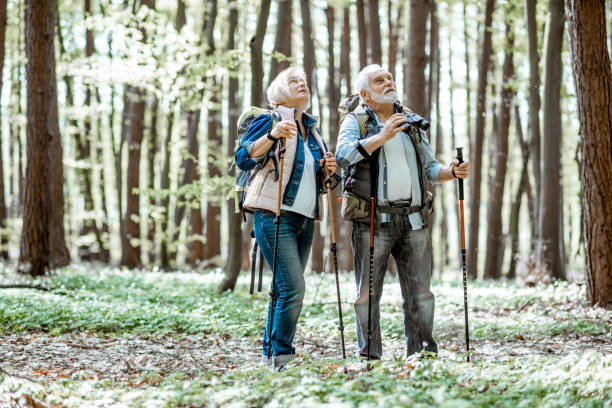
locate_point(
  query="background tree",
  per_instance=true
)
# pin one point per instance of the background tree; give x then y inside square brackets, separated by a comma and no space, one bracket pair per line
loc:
[234,256]
[550,213]
[282,43]
[593,77]
[477,142]
[43,232]
[3,239]
[495,236]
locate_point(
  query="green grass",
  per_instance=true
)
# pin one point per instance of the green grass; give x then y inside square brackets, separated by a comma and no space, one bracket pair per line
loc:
[137,302]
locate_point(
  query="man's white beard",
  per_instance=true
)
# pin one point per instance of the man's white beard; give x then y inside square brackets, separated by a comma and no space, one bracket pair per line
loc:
[389,97]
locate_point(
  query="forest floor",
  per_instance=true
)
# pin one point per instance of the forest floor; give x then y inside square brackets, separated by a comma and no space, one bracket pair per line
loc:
[106,337]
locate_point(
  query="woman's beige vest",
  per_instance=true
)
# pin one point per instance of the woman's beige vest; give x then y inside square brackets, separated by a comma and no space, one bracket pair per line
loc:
[263,190]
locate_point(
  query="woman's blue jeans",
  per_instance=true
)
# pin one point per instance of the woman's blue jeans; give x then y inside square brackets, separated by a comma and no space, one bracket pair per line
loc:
[294,242]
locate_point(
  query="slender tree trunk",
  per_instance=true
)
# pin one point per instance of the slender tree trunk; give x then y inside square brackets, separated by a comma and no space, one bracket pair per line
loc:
[451,80]
[362,33]
[495,236]
[213,211]
[593,77]
[434,33]
[282,43]
[515,211]
[42,239]
[167,235]
[345,61]
[550,211]
[3,212]
[477,142]
[309,55]
[374,32]
[164,202]
[132,249]
[152,152]
[256,46]
[392,34]
[534,96]
[417,59]
[468,81]
[234,253]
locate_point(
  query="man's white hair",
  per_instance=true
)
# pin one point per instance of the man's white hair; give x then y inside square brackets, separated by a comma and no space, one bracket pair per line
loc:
[363,78]
[278,91]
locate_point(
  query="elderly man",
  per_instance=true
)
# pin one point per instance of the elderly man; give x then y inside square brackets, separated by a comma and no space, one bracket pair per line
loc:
[383,157]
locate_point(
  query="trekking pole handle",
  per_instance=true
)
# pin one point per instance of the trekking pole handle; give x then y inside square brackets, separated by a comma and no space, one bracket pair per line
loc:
[460,181]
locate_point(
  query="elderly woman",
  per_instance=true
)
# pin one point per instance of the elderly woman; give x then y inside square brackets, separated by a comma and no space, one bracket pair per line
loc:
[302,186]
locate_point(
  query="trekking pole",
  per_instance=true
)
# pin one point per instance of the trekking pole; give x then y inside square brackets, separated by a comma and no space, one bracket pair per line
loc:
[334,251]
[370,281]
[463,260]
[281,154]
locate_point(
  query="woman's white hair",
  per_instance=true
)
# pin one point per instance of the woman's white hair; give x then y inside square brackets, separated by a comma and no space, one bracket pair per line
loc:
[278,91]
[363,78]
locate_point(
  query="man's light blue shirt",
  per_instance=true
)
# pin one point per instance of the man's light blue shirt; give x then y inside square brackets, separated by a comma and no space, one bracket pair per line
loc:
[347,154]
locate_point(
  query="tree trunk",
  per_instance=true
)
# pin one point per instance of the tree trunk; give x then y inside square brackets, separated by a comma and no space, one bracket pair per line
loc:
[132,249]
[468,81]
[550,212]
[417,59]
[345,51]
[213,210]
[392,34]
[181,17]
[282,42]
[362,33]
[374,32]
[256,46]
[165,251]
[152,152]
[164,202]
[234,253]
[451,79]
[3,214]
[309,55]
[477,142]
[593,77]
[434,33]
[42,238]
[523,187]
[495,236]
[534,96]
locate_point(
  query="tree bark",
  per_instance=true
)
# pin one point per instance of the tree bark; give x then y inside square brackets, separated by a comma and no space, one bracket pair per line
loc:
[550,212]
[164,202]
[362,33]
[42,238]
[495,236]
[152,152]
[282,42]
[309,54]
[392,34]
[534,96]
[3,212]
[523,188]
[213,210]
[132,249]
[256,46]
[374,32]
[593,77]
[234,253]
[477,142]
[345,58]
[468,81]
[417,59]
